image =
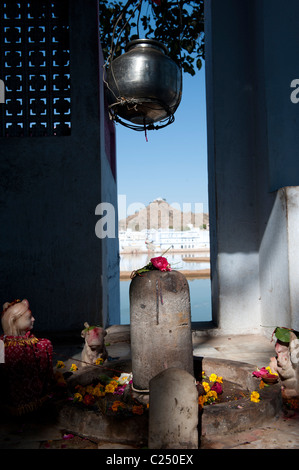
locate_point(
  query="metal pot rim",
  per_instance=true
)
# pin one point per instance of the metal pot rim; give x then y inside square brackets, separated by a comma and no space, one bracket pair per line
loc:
[147,43]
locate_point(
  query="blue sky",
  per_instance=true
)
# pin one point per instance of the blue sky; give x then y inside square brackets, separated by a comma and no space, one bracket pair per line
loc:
[173,163]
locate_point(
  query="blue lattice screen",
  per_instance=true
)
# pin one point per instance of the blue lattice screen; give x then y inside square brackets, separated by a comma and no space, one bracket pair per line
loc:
[35,68]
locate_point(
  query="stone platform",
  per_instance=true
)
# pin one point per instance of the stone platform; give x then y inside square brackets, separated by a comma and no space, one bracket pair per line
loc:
[264,426]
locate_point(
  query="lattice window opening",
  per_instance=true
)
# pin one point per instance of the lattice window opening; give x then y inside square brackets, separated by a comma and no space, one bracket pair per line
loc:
[36,59]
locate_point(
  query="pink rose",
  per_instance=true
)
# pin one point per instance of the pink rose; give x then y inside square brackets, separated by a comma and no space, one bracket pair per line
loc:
[161,263]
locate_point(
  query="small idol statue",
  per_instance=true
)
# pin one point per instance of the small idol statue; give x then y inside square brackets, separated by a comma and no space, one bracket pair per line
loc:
[26,376]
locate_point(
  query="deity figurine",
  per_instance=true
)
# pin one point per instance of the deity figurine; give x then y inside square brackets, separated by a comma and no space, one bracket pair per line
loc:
[94,347]
[26,376]
[286,364]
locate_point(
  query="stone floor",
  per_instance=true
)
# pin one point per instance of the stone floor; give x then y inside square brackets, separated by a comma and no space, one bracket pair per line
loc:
[39,432]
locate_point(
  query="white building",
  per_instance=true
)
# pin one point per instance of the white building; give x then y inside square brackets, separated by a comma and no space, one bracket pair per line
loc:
[163,239]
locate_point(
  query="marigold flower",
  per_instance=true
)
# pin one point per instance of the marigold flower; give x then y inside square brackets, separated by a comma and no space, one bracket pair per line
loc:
[73,368]
[109,388]
[201,400]
[262,384]
[98,392]
[60,364]
[99,361]
[78,397]
[255,397]
[213,378]
[212,394]
[219,380]
[206,386]
[137,409]
[114,383]
[115,406]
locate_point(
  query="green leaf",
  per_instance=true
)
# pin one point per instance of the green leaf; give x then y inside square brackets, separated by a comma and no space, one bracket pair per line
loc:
[283,334]
[198,64]
[171,22]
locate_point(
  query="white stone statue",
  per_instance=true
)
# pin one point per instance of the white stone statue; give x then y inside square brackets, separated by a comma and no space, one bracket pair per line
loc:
[286,364]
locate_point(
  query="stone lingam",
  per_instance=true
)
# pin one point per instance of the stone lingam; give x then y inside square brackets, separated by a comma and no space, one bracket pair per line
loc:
[26,375]
[160,318]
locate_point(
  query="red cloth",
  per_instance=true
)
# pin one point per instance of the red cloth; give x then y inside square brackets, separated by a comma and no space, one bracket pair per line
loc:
[26,376]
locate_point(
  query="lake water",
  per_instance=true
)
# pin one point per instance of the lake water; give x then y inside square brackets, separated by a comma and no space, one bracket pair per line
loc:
[200,289]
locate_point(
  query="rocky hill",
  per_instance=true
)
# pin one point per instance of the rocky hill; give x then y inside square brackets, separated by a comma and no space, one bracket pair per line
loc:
[160,214]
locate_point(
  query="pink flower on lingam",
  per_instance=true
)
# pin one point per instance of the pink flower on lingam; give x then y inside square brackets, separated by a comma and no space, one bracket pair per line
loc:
[161,263]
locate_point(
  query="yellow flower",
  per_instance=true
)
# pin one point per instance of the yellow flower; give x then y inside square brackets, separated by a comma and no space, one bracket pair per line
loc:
[109,388]
[206,386]
[255,397]
[73,368]
[99,361]
[98,392]
[220,380]
[60,364]
[212,394]
[270,371]
[78,397]
[213,378]
[99,386]
[114,383]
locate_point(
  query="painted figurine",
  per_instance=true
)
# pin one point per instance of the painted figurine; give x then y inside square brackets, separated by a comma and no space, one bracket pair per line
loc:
[26,375]
[94,347]
[286,364]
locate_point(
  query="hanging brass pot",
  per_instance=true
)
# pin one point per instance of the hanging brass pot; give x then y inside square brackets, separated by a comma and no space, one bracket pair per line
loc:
[144,85]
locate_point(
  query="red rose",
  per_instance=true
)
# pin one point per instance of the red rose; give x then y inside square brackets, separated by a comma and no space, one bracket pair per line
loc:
[161,263]
[217,388]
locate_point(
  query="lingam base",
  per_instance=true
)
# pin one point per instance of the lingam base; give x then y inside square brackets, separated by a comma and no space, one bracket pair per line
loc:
[229,416]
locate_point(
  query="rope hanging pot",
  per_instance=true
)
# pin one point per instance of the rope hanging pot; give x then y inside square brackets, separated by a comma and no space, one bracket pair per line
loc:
[144,86]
